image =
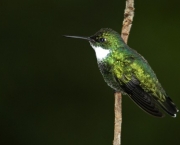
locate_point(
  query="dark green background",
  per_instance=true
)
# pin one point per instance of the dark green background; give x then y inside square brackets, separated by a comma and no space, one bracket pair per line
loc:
[51,91]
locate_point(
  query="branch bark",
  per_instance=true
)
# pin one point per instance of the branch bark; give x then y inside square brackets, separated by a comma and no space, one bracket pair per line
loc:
[118,118]
[128,19]
[127,23]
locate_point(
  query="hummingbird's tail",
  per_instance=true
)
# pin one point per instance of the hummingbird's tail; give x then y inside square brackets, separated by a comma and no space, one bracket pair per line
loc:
[169,106]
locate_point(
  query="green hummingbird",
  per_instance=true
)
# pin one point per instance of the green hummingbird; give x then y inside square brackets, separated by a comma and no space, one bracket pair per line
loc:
[126,71]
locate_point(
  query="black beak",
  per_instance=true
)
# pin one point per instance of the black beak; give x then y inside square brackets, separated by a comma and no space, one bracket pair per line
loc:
[79,37]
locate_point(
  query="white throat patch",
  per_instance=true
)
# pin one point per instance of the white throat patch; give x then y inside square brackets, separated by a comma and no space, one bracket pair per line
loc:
[100,52]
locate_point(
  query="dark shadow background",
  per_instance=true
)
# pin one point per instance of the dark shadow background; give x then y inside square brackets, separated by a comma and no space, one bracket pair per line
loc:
[51,91]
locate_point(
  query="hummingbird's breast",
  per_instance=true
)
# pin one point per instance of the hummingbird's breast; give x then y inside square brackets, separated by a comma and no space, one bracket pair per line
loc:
[106,71]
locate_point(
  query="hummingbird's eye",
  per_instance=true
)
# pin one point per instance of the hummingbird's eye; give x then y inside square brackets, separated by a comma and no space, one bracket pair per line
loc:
[102,39]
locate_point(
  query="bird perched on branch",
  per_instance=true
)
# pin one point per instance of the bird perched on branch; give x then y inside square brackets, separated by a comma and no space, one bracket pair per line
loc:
[126,71]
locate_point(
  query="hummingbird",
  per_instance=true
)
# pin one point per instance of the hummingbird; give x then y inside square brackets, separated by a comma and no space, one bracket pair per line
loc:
[126,71]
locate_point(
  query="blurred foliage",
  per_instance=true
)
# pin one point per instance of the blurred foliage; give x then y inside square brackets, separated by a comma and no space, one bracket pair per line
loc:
[51,91]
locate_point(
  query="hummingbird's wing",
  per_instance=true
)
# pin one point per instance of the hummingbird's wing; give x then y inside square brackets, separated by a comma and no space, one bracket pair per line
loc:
[139,81]
[143,99]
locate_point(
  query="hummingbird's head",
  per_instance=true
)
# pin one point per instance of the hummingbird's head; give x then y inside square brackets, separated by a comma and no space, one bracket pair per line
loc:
[103,42]
[106,38]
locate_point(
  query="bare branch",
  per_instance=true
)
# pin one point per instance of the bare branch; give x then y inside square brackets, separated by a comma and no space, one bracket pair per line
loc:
[118,118]
[128,19]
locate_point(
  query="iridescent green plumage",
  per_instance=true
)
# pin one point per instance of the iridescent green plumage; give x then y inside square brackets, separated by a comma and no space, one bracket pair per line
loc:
[127,71]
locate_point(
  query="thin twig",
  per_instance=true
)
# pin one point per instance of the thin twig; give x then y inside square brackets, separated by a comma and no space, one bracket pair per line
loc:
[128,19]
[118,118]
[127,23]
